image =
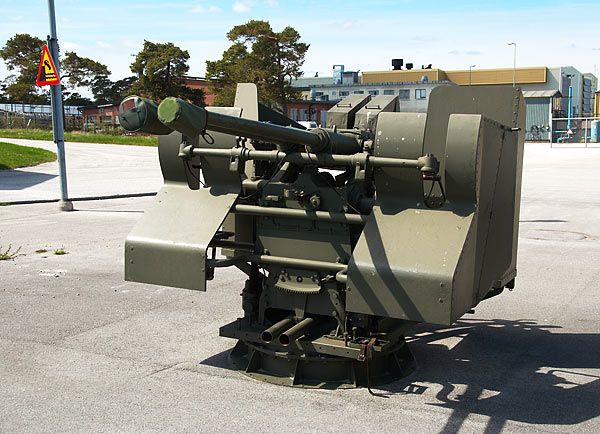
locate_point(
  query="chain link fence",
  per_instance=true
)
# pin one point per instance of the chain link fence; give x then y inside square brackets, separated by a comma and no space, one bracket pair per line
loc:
[27,116]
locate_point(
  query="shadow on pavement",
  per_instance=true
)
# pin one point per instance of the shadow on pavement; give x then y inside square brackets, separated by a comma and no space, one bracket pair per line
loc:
[15,179]
[507,370]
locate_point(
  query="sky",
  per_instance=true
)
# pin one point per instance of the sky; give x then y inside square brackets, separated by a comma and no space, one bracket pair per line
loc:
[362,35]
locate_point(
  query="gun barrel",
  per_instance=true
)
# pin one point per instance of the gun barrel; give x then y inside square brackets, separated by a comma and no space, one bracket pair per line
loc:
[192,120]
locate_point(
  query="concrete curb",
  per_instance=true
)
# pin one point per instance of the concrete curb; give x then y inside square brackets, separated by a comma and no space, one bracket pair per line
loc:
[80,199]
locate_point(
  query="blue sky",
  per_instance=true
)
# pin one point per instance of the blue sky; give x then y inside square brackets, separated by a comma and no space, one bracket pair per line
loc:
[362,35]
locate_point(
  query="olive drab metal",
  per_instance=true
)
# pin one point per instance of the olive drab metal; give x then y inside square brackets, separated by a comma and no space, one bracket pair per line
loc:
[349,234]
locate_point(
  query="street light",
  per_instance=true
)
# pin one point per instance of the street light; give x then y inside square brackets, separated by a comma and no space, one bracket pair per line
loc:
[472,66]
[514,63]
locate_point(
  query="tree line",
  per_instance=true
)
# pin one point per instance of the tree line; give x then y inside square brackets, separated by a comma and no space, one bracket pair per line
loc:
[257,54]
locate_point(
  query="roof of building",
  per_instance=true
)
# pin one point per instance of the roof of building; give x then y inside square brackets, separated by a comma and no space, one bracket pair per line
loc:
[541,93]
[391,83]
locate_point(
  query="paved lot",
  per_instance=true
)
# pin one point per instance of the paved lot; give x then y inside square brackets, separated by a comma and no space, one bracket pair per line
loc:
[83,351]
[92,170]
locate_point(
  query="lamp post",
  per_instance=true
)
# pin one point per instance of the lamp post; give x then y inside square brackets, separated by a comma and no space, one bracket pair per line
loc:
[514,63]
[471,66]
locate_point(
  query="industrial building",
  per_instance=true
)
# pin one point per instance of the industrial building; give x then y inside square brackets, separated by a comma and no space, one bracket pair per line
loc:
[549,93]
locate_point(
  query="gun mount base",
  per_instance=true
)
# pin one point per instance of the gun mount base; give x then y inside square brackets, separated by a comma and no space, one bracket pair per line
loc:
[306,365]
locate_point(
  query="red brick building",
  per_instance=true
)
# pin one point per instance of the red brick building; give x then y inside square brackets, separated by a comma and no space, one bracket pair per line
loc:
[201,83]
[309,111]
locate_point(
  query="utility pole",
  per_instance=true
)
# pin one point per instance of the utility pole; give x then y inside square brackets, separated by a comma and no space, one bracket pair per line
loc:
[470,67]
[58,128]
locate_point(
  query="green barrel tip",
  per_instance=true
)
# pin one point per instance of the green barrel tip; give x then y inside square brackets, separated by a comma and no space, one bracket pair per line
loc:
[169,110]
[182,116]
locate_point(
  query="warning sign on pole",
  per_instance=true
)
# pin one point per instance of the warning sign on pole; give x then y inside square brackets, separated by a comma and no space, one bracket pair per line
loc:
[47,74]
[570,132]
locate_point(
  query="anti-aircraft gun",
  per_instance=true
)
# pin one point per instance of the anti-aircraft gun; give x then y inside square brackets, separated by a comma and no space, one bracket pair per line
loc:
[349,235]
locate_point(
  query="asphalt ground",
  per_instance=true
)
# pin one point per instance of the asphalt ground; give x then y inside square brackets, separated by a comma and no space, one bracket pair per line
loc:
[92,170]
[83,351]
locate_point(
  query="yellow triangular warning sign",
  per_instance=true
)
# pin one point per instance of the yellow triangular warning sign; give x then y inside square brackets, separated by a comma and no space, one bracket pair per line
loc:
[47,74]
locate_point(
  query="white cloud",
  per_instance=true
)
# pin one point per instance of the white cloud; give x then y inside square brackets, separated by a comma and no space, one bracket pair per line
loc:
[241,7]
[103,44]
[70,45]
[133,44]
[272,3]
[17,18]
[465,52]
[201,9]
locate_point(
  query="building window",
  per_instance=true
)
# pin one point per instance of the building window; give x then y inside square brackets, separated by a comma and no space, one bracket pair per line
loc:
[373,92]
[388,92]
[294,114]
[404,94]
[420,94]
[304,115]
[344,93]
[323,117]
[100,110]
[333,93]
[358,92]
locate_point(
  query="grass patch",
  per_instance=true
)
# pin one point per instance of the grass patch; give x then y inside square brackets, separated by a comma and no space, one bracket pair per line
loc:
[7,255]
[41,251]
[12,156]
[77,136]
[60,251]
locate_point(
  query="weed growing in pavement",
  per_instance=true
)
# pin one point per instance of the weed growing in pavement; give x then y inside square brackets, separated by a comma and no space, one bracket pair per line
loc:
[8,255]
[60,251]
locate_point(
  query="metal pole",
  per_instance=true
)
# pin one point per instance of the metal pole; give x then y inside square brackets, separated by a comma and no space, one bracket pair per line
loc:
[551,123]
[570,102]
[58,129]
[514,63]
[470,67]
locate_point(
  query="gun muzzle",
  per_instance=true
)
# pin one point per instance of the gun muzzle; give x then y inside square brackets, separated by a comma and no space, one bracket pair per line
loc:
[140,114]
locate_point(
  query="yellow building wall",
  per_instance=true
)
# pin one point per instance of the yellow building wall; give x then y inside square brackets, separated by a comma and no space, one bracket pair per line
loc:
[498,76]
[460,77]
[597,104]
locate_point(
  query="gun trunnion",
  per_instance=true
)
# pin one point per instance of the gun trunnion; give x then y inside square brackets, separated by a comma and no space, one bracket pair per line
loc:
[349,235]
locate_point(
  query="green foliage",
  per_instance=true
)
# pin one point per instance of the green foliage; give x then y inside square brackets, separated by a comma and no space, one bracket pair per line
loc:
[77,71]
[106,91]
[8,255]
[75,136]
[160,70]
[22,53]
[60,252]
[77,99]
[41,251]
[259,55]
[12,156]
